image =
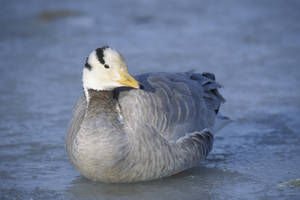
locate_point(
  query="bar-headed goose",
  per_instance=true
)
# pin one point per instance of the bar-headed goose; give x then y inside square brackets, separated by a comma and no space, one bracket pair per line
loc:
[159,124]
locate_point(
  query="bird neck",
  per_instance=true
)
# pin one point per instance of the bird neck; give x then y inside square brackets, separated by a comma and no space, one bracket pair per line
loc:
[101,100]
[102,109]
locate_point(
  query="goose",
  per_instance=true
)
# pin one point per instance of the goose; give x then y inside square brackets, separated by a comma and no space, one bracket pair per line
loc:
[125,129]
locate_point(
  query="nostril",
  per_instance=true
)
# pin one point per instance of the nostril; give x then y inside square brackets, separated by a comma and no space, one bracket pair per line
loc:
[141,86]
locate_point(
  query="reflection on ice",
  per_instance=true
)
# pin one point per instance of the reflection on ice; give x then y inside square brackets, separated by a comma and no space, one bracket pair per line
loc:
[195,183]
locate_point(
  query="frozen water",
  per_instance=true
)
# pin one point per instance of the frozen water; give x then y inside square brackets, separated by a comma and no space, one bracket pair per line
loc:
[253,47]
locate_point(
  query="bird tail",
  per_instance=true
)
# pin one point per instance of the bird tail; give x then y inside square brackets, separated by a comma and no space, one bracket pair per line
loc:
[210,87]
[211,96]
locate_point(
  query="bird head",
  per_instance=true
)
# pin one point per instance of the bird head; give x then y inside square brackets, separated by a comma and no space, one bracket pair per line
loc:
[105,69]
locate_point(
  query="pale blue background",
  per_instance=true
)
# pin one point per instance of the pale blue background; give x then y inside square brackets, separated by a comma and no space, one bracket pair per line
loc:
[252,46]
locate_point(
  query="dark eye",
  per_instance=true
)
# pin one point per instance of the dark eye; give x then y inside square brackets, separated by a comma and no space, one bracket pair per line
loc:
[106,66]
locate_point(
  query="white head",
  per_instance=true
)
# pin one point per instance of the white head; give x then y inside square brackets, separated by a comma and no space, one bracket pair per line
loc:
[105,69]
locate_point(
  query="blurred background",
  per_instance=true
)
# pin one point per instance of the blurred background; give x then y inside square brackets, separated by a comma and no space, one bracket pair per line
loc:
[252,46]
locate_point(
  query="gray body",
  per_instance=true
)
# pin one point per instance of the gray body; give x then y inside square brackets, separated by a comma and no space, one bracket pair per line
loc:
[129,135]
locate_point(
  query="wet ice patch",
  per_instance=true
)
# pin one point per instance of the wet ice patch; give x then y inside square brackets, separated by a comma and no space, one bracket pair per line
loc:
[51,15]
[291,183]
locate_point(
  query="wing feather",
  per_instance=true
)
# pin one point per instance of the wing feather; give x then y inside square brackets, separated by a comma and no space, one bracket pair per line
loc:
[172,104]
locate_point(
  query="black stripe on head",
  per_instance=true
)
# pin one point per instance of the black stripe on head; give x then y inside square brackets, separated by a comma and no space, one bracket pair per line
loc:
[87,65]
[100,54]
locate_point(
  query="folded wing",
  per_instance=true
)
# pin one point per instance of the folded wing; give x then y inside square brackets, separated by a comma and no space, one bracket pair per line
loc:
[173,104]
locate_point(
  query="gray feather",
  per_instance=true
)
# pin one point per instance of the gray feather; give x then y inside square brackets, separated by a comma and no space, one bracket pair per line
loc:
[145,134]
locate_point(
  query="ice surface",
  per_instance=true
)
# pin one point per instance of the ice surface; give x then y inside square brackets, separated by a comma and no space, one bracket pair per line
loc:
[253,47]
